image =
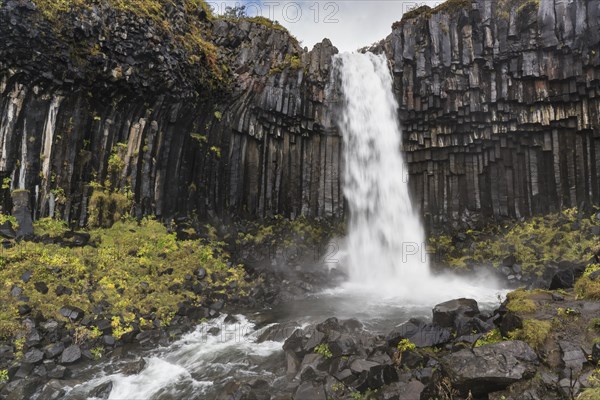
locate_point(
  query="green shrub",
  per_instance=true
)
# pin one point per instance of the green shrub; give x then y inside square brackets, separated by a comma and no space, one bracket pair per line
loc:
[493,336]
[9,218]
[50,226]
[406,345]
[323,350]
[126,269]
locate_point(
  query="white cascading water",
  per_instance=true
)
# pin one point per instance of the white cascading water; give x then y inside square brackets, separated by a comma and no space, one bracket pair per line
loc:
[386,240]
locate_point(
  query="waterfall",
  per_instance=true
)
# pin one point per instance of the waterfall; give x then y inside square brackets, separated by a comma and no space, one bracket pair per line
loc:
[386,240]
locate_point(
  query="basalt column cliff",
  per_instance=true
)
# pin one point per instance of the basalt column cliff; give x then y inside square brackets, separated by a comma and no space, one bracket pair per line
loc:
[500,105]
[104,110]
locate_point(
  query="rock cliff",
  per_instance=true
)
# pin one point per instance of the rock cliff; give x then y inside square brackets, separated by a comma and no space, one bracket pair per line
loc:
[103,108]
[499,103]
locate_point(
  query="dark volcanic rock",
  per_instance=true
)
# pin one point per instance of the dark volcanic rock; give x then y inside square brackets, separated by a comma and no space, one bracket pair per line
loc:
[444,314]
[420,333]
[33,356]
[310,391]
[101,391]
[54,350]
[491,367]
[71,355]
[73,313]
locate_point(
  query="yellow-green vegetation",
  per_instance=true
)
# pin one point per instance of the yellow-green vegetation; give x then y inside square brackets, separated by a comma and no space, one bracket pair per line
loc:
[3,375]
[19,346]
[587,288]
[534,242]
[592,393]
[290,61]
[83,334]
[107,206]
[406,345]
[298,235]
[493,336]
[138,268]
[520,302]
[504,7]
[97,352]
[195,37]
[589,394]
[323,350]
[534,332]
[594,325]
[50,227]
[9,218]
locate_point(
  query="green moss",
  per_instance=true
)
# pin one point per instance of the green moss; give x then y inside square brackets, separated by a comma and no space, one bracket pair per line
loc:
[50,227]
[194,35]
[590,394]
[323,350]
[406,345]
[504,7]
[534,242]
[520,302]
[126,269]
[291,62]
[3,375]
[493,336]
[9,218]
[107,206]
[534,332]
[587,289]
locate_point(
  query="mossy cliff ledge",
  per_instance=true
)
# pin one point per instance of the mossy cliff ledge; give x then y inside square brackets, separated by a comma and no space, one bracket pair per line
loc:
[169,106]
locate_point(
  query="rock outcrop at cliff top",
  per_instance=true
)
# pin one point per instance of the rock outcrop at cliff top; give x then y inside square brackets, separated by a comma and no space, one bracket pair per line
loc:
[498,101]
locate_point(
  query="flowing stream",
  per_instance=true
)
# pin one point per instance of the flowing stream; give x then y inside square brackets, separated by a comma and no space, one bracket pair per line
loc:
[384,253]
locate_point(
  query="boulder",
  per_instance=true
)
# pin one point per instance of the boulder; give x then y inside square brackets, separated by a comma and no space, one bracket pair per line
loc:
[444,314]
[596,353]
[102,391]
[54,350]
[33,356]
[53,390]
[41,287]
[490,367]
[277,332]
[58,372]
[566,276]
[73,313]
[71,355]
[573,356]
[7,231]
[310,391]
[420,333]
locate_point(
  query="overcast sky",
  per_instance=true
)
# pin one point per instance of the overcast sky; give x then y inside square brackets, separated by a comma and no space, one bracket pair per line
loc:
[349,24]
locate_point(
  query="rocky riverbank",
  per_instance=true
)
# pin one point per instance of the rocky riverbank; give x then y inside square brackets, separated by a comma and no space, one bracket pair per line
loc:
[77,298]
[546,351]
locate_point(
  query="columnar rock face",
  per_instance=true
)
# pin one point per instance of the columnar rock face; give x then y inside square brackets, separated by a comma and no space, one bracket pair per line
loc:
[499,102]
[108,102]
